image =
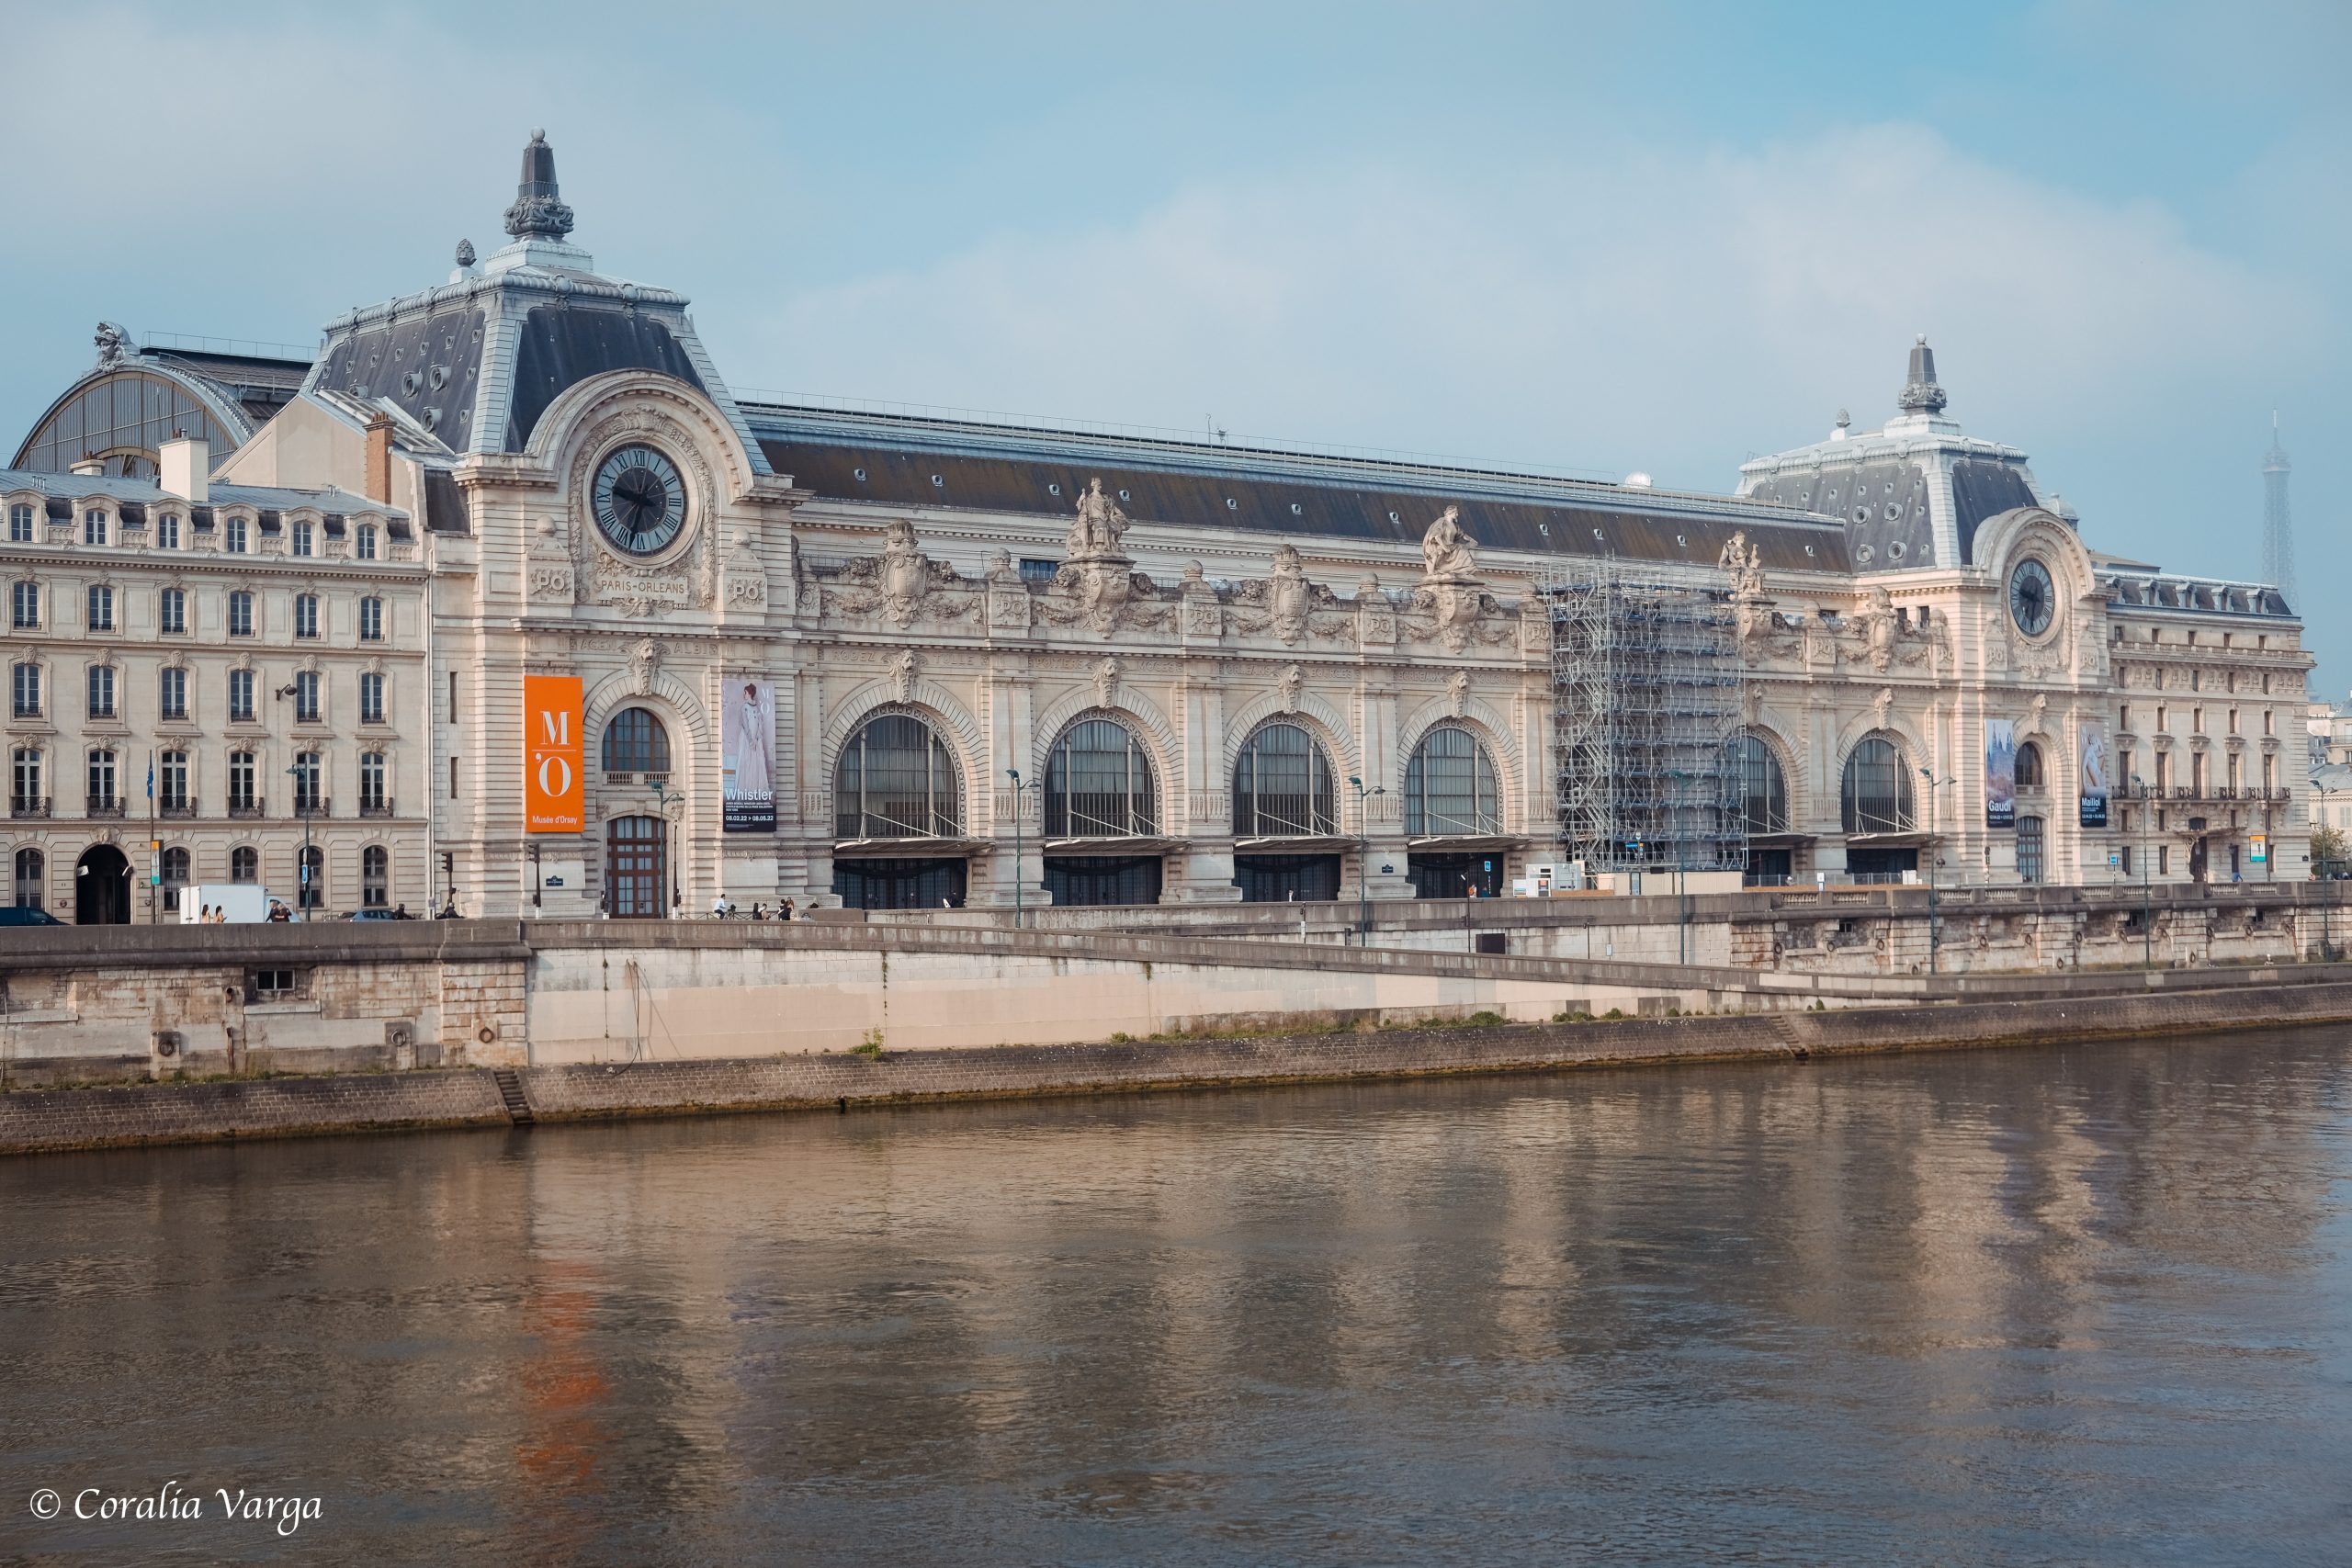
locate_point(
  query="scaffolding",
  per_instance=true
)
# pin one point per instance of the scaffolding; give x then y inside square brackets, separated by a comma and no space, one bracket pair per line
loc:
[1646,694]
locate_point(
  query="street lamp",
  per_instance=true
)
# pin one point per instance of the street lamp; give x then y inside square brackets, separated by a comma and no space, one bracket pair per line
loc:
[1363,863]
[302,798]
[1014,774]
[1934,811]
[663,801]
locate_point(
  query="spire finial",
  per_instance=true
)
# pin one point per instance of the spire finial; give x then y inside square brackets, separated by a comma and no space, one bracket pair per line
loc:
[1920,393]
[538,212]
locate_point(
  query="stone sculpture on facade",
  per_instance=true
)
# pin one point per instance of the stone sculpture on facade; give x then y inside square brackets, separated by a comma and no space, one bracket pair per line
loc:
[1447,550]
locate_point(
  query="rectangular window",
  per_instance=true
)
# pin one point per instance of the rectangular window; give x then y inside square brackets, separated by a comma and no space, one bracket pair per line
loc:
[101,691]
[102,795]
[101,606]
[171,782]
[307,799]
[241,614]
[2196,721]
[2234,721]
[2268,725]
[366,548]
[1038,571]
[171,612]
[94,527]
[2269,774]
[170,693]
[26,685]
[453,696]
[2160,717]
[241,696]
[2163,859]
[2124,723]
[371,620]
[371,698]
[24,604]
[167,531]
[301,539]
[306,614]
[2126,860]
[453,778]
[233,536]
[2236,771]
[20,524]
[242,796]
[27,800]
[306,697]
[371,782]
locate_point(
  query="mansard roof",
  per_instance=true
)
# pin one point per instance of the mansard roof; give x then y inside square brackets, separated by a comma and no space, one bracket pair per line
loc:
[901,461]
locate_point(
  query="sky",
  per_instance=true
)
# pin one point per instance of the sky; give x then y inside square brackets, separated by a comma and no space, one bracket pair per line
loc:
[1596,239]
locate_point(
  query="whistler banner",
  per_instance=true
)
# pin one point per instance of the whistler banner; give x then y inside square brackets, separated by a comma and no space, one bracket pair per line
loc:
[750,758]
[551,793]
[2095,774]
[2000,772]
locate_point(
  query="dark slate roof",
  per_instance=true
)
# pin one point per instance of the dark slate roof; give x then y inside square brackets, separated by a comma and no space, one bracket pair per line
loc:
[909,461]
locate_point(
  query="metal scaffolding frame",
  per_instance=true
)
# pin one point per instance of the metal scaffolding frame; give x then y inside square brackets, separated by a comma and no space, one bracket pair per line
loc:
[1646,699]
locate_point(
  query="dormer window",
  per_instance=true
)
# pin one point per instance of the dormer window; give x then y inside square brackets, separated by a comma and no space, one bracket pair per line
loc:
[365,546]
[20,524]
[233,534]
[167,531]
[94,527]
[303,531]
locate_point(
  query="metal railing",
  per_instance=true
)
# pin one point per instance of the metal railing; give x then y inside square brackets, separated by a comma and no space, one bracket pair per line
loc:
[253,806]
[28,805]
[382,807]
[176,806]
[103,806]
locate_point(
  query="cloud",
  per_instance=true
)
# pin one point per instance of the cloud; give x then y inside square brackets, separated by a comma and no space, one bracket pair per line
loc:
[1612,306]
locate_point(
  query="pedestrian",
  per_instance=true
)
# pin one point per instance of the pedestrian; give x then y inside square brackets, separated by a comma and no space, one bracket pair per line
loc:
[759,909]
[399,912]
[278,913]
[719,906]
[785,913]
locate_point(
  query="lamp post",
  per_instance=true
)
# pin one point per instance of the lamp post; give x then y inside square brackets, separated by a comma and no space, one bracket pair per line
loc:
[1018,787]
[1934,811]
[302,875]
[2147,915]
[1363,862]
[663,801]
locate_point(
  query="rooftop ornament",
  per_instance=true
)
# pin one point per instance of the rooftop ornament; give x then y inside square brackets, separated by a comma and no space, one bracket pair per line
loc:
[538,212]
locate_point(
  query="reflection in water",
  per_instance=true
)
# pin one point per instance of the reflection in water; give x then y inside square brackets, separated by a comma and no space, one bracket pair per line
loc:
[2087,1306]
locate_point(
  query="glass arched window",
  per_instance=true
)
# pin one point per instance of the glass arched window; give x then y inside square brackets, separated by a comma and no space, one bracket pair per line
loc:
[1098,784]
[1763,788]
[30,874]
[375,876]
[313,863]
[244,864]
[1875,796]
[2029,774]
[635,742]
[1450,786]
[1282,788]
[176,868]
[897,779]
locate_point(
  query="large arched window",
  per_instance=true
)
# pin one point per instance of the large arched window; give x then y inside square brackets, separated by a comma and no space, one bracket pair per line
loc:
[2029,774]
[1450,786]
[1282,788]
[1875,796]
[1763,788]
[1098,784]
[897,780]
[635,742]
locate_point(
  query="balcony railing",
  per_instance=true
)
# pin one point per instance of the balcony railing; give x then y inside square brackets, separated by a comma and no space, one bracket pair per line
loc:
[28,805]
[313,805]
[375,807]
[104,806]
[251,806]
[176,806]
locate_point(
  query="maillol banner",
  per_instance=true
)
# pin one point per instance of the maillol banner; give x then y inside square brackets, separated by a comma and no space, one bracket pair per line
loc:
[551,793]
[2095,774]
[750,757]
[2000,772]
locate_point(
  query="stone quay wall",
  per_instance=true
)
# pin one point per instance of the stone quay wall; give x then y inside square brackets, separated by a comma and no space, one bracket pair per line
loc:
[56,1120]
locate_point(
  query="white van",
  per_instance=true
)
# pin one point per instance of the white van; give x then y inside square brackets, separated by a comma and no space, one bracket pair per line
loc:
[244,903]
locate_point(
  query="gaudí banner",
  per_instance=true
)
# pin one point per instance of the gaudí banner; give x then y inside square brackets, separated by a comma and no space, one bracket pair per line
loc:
[2094,773]
[749,759]
[2000,772]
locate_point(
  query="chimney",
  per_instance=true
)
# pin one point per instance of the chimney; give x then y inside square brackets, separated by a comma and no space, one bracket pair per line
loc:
[184,468]
[91,466]
[379,457]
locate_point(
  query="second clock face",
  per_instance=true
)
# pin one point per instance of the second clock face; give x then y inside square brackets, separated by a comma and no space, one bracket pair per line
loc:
[2033,598]
[640,501]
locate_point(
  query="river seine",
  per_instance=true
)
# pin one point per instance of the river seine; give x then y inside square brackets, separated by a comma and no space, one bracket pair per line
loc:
[2030,1306]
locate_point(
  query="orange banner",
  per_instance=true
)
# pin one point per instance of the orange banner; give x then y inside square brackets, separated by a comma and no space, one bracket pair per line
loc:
[551,797]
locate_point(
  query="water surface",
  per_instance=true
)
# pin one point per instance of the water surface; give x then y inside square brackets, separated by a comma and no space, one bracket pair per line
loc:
[2086,1306]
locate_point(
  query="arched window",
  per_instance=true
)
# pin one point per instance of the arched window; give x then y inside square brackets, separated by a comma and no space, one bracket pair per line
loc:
[375,876]
[1098,784]
[1450,786]
[1763,788]
[175,876]
[1875,796]
[2029,774]
[1282,788]
[897,780]
[315,877]
[635,742]
[31,874]
[244,864]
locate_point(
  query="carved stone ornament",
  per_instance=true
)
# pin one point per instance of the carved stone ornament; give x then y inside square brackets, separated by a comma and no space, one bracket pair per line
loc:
[746,579]
[1884,704]
[903,671]
[906,575]
[1287,595]
[644,660]
[548,574]
[1289,683]
[1204,617]
[1447,550]
[1098,527]
[1009,602]
[1745,561]
[1375,618]
[1106,683]
[1457,691]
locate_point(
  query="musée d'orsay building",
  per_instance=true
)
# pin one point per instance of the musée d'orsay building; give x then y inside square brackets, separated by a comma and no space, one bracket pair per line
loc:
[505,597]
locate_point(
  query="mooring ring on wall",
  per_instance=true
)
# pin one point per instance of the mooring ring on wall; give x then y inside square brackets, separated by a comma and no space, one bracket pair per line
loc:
[486,1033]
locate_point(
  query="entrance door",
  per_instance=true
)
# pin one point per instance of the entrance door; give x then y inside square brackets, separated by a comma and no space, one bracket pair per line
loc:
[1283,879]
[1103,879]
[637,868]
[908,884]
[102,887]
[1445,876]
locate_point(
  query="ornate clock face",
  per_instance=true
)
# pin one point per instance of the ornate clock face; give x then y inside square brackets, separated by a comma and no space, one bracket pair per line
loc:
[638,500]
[2033,598]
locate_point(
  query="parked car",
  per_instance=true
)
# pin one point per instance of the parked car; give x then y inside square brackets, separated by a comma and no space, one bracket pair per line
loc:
[24,915]
[372,914]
